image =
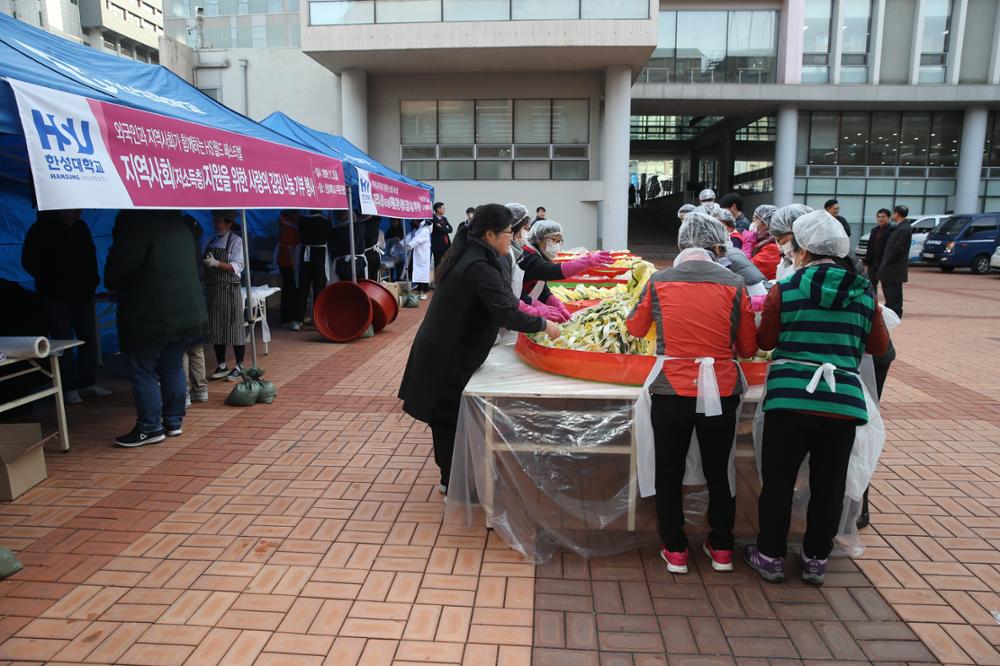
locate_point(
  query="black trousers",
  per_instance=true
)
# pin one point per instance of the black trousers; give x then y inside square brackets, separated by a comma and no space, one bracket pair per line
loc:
[674,418]
[444,425]
[291,300]
[788,437]
[882,364]
[893,292]
[312,277]
[76,320]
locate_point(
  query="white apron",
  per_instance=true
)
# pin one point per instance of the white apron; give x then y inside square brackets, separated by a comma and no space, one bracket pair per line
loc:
[868,439]
[516,283]
[708,403]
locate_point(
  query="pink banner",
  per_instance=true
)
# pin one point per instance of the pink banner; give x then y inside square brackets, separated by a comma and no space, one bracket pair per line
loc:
[380,195]
[164,162]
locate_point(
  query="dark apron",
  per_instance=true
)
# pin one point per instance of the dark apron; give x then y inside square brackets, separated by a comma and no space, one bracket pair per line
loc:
[224,300]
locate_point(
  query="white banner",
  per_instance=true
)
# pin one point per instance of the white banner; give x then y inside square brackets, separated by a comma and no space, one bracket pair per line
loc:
[365,193]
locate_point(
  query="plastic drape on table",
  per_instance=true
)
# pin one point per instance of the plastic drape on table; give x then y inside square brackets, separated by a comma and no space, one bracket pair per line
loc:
[868,444]
[549,460]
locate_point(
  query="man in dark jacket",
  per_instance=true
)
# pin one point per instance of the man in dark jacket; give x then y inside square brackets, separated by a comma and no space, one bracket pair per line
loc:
[894,269]
[160,307]
[440,233]
[876,247]
[59,253]
[734,204]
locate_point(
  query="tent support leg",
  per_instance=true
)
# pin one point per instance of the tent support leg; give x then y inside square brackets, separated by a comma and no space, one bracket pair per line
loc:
[248,305]
[350,235]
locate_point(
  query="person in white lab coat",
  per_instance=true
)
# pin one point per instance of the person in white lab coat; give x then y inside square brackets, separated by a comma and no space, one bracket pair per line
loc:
[419,244]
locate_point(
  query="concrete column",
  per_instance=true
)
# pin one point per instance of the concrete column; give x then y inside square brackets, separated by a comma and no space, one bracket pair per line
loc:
[791,24]
[784,154]
[354,107]
[614,157]
[970,159]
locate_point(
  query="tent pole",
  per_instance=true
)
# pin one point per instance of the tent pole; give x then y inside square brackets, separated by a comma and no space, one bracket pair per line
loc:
[248,305]
[350,232]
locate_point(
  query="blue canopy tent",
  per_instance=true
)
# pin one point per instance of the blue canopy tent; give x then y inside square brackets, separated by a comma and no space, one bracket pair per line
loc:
[36,57]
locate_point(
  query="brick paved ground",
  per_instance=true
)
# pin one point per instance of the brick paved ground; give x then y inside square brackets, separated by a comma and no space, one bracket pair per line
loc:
[309,531]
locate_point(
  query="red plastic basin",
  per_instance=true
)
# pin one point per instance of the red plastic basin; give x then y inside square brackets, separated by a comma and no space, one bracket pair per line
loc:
[385,308]
[343,311]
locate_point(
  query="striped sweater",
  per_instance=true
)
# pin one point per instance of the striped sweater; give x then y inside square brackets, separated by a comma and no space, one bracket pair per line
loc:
[826,317]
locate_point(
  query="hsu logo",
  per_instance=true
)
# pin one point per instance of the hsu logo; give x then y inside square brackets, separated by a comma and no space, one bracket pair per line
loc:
[65,134]
[366,186]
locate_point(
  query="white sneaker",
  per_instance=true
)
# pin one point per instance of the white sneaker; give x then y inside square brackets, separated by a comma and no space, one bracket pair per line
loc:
[423,297]
[296,326]
[95,391]
[199,396]
[173,432]
[220,372]
[72,397]
[187,401]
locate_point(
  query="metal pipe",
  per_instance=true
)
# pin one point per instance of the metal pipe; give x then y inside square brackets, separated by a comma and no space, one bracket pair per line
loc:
[350,232]
[244,63]
[248,305]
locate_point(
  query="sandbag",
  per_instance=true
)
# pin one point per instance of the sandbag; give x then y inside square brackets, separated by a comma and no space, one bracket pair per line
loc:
[411,300]
[247,392]
[9,564]
[369,332]
[267,393]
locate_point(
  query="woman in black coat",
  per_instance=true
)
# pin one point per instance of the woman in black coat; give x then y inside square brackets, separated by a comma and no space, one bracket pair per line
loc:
[473,301]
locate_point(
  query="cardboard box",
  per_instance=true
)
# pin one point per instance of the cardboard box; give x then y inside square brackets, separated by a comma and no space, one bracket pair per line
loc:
[22,457]
[395,288]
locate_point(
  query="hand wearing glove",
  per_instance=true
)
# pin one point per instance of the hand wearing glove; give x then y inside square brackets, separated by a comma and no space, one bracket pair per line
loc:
[757,303]
[554,302]
[211,261]
[587,261]
[539,309]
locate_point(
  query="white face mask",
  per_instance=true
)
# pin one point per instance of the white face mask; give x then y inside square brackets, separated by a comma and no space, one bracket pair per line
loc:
[788,250]
[753,227]
[553,248]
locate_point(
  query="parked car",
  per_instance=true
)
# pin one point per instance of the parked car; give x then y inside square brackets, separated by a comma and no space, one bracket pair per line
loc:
[921,228]
[995,261]
[964,240]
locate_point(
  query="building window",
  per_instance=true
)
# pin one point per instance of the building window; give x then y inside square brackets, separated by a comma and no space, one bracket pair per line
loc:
[743,48]
[816,41]
[495,139]
[347,12]
[855,31]
[935,32]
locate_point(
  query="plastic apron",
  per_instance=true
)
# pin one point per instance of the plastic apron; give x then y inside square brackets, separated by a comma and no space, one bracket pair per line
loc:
[868,439]
[708,402]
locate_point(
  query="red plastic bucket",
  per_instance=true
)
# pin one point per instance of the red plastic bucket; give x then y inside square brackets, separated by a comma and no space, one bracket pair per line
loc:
[385,308]
[342,312]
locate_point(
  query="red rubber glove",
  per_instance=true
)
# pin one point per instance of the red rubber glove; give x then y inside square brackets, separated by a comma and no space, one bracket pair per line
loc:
[554,302]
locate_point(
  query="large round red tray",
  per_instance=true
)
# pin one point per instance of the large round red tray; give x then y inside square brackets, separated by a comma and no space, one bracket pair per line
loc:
[629,369]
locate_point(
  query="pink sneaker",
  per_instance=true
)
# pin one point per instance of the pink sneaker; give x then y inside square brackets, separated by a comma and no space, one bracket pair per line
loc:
[676,562]
[722,560]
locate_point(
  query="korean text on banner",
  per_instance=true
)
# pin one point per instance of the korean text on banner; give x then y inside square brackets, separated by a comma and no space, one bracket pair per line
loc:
[383,196]
[87,153]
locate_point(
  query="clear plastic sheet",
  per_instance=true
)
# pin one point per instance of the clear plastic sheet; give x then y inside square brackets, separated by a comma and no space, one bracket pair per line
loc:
[562,474]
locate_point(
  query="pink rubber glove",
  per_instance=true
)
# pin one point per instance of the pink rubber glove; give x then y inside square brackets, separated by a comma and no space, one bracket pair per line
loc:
[539,309]
[749,239]
[587,261]
[554,302]
[528,309]
[757,303]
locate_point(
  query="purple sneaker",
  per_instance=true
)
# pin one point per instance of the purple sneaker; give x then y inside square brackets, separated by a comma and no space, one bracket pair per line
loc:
[813,570]
[771,569]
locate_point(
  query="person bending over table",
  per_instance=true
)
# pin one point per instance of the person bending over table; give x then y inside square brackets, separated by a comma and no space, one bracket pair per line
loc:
[473,301]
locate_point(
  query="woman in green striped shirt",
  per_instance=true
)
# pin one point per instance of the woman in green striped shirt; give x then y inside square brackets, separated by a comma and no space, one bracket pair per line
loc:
[819,321]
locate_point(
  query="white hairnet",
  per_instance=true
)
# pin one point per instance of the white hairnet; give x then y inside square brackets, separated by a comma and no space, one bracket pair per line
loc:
[764,212]
[519,211]
[543,228]
[822,234]
[685,209]
[706,195]
[693,254]
[782,219]
[700,230]
[724,216]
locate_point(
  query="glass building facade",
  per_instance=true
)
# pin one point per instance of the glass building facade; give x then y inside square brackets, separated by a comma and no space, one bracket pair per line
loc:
[345,12]
[234,23]
[714,47]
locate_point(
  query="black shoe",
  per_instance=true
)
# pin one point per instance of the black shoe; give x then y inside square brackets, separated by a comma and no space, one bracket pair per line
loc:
[864,520]
[139,438]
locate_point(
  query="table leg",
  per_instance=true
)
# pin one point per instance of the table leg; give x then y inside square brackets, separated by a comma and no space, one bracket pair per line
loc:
[60,405]
[487,499]
[633,476]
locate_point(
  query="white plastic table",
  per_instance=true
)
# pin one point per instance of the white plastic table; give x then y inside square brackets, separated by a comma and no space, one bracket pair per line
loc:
[57,349]
[258,311]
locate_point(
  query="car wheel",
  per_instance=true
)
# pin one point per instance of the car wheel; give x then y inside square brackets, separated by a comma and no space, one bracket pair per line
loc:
[981,265]
[946,269]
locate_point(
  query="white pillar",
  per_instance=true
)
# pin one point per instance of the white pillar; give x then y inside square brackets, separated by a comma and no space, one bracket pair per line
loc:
[970,159]
[784,155]
[614,157]
[792,21]
[354,107]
